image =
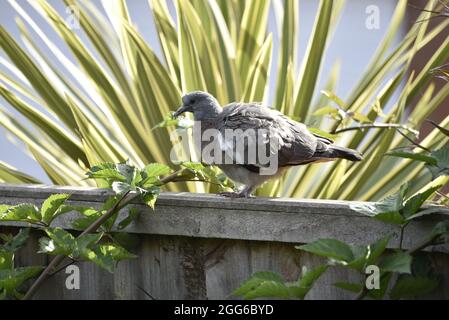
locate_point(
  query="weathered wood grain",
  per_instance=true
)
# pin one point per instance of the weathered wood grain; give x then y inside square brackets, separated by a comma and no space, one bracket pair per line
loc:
[203,246]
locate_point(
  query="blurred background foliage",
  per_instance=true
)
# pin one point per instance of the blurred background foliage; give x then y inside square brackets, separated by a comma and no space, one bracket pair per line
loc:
[223,47]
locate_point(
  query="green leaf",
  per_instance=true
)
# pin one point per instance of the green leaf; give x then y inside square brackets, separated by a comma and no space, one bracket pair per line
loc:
[330,248]
[18,240]
[152,172]
[10,280]
[408,286]
[263,284]
[120,187]
[306,282]
[414,156]
[133,214]
[353,287]
[325,111]
[393,217]
[322,133]
[128,171]
[52,206]
[375,250]
[255,280]
[107,255]
[384,284]
[400,262]
[84,243]
[22,212]
[332,96]
[414,203]
[195,167]
[6,259]
[443,130]
[60,242]
[440,229]
[107,174]
[386,210]
[150,197]
[442,167]
[313,59]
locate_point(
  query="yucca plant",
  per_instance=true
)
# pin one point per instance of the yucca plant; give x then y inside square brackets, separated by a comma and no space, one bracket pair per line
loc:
[107,110]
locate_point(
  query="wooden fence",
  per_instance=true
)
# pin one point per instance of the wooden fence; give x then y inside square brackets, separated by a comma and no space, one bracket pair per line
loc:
[197,246]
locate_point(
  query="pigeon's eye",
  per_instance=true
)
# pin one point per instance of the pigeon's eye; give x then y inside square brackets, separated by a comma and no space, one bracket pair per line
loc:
[192,101]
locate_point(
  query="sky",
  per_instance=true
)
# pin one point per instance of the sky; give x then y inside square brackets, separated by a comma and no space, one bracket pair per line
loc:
[352,44]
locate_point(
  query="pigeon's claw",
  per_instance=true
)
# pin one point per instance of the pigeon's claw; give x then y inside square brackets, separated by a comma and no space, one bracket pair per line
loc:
[233,195]
[245,193]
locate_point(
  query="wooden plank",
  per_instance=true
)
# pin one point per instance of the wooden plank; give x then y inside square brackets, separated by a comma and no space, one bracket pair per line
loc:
[204,246]
[261,219]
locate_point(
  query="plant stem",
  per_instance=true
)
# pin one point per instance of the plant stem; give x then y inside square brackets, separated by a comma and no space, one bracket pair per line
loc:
[401,236]
[58,259]
[376,125]
[125,199]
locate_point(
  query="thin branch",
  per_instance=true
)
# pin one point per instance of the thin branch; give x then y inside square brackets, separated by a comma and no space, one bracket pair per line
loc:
[59,258]
[72,261]
[378,126]
[125,199]
[416,144]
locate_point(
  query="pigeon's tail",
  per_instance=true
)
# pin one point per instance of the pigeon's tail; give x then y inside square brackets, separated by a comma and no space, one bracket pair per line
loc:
[334,152]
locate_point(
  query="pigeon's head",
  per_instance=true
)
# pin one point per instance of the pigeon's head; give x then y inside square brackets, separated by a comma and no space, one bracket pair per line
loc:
[201,104]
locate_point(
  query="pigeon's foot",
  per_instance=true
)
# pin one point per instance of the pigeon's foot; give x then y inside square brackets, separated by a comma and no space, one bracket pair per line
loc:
[233,195]
[244,193]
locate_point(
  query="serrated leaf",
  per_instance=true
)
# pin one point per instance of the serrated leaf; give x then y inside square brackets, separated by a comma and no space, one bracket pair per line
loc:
[270,289]
[107,255]
[51,207]
[84,243]
[152,172]
[408,286]
[442,166]
[10,280]
[120,187]
[330,248]
[133,213]
[22,212]
[255,280]
[107,174]
[150,198]
[353,287]
[414,203]
[268,284]
[18,240]
[393,217]
[193,166]
[59,242]
[376,249]
[400,262]
[128,171]
[6,259]
[384,283]
[306,282]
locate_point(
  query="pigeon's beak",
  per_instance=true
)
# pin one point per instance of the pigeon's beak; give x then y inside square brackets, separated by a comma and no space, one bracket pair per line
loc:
[181,110]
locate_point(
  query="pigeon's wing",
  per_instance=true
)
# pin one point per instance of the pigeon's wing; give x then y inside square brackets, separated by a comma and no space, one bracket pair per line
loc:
[246,126]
